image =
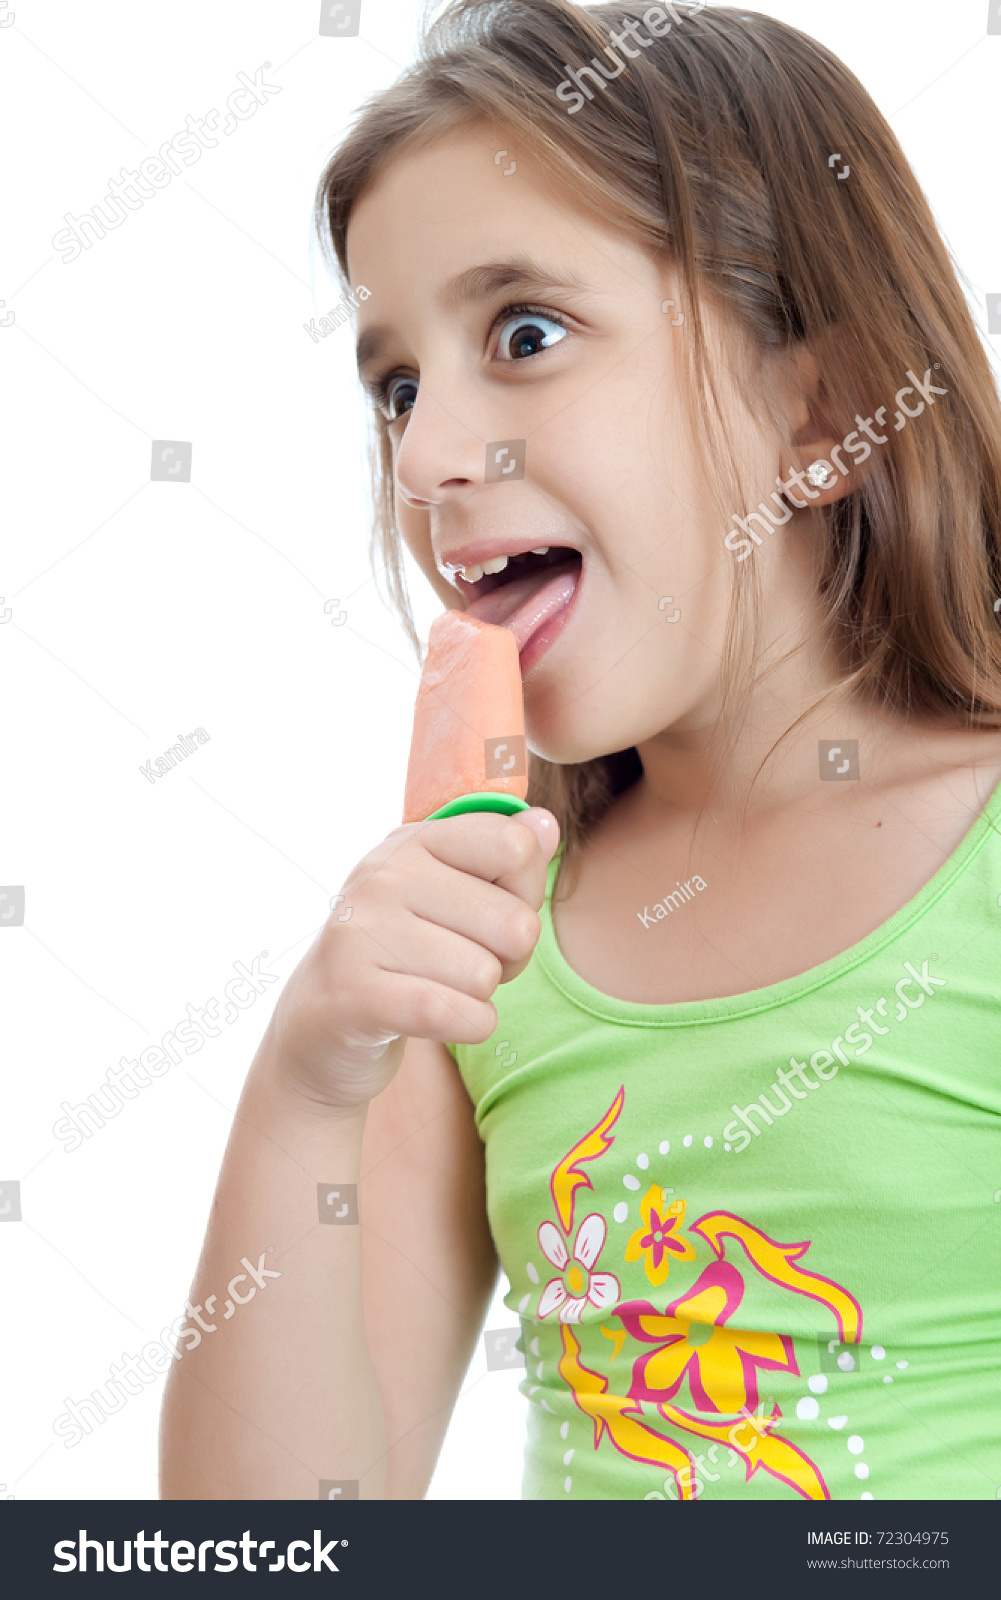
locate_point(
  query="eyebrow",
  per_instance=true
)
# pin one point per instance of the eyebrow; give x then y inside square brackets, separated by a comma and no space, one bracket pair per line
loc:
[481,283]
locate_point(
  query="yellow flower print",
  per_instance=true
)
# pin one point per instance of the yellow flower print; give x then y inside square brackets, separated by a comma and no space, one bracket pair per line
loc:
[659,1238]
[691,1341]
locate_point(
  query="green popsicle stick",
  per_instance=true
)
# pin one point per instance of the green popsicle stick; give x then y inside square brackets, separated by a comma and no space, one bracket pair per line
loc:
[490,800]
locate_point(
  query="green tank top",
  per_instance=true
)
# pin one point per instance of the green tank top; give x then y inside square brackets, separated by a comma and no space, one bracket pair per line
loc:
[754,1243]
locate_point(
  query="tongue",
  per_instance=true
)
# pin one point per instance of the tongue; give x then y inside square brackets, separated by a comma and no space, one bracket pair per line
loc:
[524,604]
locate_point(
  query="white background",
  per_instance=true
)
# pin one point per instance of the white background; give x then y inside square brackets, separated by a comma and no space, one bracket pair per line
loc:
[142,610]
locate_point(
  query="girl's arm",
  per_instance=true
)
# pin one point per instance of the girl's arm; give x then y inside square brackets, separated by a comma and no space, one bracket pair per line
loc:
[280,1394]
[291,1390]
[430,1263]
[321,1351]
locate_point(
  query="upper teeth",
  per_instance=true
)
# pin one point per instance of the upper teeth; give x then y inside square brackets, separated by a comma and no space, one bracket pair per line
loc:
[473,573]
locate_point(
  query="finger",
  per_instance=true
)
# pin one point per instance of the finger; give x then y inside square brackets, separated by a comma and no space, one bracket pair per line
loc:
[500,850]
[545,827]
[527,879]
[483,912]
[419,948]
[423,1008]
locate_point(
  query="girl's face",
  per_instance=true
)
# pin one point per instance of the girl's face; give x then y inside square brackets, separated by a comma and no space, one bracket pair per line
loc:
[528,365]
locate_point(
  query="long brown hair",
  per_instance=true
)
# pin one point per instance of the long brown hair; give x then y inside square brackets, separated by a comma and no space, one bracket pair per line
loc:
[714,149]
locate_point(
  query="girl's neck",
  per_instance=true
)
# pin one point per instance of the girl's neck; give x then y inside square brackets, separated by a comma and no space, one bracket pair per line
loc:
[778,754]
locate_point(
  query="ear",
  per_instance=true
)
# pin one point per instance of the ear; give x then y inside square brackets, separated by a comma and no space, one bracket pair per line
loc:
[816,466]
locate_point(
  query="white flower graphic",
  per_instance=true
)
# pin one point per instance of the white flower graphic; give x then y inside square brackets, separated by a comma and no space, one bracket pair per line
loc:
[579,1284]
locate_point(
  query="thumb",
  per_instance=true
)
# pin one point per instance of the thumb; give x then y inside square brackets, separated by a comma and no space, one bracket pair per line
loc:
[545,827]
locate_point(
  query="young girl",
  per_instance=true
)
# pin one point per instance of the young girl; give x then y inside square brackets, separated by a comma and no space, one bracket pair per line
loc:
[716,1082]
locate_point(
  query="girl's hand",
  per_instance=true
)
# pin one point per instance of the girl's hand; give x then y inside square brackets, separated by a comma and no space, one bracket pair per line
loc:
[440,914]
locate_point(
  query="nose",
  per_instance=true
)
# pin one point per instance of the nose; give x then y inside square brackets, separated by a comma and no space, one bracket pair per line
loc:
[439,458]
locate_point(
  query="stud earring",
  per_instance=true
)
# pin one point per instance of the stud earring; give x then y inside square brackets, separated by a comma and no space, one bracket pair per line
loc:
[819,475]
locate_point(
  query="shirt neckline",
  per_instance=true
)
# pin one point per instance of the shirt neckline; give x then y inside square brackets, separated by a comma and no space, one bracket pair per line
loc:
[679,1013]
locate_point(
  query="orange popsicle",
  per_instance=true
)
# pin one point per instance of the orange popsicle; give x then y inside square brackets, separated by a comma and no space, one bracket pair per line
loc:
[469,720]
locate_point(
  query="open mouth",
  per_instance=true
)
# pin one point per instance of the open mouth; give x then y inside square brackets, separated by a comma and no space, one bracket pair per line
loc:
[529,593]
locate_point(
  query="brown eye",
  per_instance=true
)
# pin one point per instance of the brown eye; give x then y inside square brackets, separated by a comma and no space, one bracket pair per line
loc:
[526,335]
[400,394]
